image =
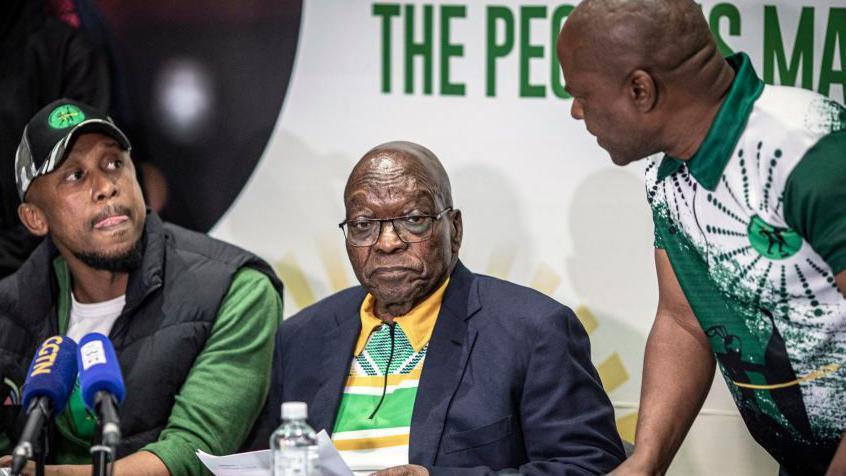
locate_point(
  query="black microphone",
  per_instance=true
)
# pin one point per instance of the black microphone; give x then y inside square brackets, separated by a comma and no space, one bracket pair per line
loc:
[10,377]
[11,380]
[48,386]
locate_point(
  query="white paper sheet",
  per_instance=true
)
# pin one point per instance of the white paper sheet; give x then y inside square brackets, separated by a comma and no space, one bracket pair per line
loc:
[331,462]
[257,463]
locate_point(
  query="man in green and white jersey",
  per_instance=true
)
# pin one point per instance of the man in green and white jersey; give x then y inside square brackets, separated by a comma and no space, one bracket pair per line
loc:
[749,206]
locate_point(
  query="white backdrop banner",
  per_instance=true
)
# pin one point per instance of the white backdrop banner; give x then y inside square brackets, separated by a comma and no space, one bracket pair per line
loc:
[478,83]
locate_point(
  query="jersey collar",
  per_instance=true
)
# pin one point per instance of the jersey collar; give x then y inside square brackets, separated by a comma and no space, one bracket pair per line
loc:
[708,163]
[417,325]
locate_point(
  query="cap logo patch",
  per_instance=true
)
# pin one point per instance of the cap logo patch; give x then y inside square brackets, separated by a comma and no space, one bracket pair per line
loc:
[64,116]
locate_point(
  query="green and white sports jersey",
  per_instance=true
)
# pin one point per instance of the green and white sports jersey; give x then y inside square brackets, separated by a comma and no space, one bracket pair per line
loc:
[755,228]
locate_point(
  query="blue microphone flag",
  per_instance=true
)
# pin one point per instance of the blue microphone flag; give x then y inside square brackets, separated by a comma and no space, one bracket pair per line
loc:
[99,369]
[52,373]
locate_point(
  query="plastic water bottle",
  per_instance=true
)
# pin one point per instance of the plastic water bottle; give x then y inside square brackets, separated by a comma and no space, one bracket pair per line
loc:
[294,445]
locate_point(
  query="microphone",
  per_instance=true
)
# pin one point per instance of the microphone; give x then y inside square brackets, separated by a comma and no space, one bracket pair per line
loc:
[48,386]
[11,379]
[101,383]
[11,376]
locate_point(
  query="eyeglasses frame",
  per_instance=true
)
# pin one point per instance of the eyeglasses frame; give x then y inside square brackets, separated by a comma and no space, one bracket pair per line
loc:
[435,218]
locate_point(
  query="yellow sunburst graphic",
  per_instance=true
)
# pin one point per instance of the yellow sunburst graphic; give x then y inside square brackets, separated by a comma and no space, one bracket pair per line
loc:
[612,370]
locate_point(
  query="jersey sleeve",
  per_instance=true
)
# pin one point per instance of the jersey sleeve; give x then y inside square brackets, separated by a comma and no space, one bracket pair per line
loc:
[815,199]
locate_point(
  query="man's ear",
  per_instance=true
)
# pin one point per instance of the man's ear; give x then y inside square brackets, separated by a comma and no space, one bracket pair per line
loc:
[457,230]
[643,90]
[33,218]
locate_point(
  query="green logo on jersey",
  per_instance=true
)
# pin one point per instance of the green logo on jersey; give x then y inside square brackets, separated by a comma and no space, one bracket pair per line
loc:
[773,242]
[65,116]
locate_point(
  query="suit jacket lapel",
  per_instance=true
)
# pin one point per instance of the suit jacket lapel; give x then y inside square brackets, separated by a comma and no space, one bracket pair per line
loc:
[334,368]
[446,359]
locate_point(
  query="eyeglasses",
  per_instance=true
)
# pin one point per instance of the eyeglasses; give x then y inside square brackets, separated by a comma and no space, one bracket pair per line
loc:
[409,229]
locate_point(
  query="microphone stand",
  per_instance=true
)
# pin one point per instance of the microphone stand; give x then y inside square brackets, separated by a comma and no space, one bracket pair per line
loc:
[41,460]
[41,456]
[101,457]
[23,452]
[107,437]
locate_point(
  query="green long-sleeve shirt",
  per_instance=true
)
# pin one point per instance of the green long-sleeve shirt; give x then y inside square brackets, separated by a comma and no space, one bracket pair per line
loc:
[225,389]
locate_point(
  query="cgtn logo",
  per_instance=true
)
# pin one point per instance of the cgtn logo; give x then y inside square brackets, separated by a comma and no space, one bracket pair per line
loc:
[46,356]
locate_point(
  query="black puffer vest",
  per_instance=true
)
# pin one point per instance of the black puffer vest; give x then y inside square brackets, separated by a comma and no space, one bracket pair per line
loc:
[172,301]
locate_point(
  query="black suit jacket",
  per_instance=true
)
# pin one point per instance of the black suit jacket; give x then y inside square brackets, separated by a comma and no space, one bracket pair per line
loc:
[507,381]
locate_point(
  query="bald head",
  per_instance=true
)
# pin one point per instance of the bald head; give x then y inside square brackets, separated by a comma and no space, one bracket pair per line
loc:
[655,35]
[402,234]
[646,76]
[393,162]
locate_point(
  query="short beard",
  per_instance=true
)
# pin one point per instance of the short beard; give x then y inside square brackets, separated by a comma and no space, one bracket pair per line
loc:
[125,262]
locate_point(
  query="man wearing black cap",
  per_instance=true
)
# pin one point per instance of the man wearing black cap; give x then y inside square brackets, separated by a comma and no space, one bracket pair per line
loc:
[192,319]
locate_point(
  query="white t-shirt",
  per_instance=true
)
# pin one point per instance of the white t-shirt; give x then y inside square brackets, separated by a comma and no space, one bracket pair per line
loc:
[95,317]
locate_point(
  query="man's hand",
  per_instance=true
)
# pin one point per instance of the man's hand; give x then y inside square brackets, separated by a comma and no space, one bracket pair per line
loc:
[837,467]
[142,463]
[633,467]
[29,469]
[50,470]
[404,470]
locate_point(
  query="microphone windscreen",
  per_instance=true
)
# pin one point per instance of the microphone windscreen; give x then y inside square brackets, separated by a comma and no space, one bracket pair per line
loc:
[52,373]
[99,369]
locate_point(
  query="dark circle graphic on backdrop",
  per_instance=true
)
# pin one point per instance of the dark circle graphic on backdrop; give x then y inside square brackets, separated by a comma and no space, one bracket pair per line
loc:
[202,87]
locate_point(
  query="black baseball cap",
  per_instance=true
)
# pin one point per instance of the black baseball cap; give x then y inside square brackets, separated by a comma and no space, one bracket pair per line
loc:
[50,134]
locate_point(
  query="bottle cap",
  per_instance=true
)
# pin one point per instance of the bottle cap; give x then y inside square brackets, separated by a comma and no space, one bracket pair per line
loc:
[294,410]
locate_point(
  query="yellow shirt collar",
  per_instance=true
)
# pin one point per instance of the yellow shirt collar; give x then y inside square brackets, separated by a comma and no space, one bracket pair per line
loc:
[417,325]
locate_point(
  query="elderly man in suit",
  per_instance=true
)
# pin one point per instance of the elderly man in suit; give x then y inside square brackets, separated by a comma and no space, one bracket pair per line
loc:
[428,368]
